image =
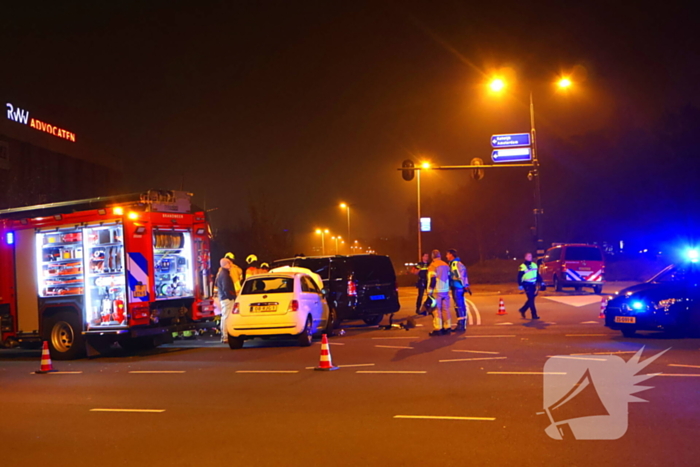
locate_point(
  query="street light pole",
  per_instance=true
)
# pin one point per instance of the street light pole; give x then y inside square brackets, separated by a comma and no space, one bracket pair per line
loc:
[347,207]
[323,233]
[539,243]
[420,240]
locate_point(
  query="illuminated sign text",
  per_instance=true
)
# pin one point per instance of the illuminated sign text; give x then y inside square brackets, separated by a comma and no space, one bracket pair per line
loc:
[22,116]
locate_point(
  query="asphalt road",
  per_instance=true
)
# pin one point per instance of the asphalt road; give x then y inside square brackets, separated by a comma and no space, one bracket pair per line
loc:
[198,403]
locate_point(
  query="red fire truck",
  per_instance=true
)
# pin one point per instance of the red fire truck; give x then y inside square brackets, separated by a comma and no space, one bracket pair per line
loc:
[85,274]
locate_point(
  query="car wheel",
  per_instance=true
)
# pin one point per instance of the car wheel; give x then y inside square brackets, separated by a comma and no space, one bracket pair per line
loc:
[373,320]
[332,321]
[235,343]
[64,335]
[306,337]
[629,332]
[557,284]
[597,289]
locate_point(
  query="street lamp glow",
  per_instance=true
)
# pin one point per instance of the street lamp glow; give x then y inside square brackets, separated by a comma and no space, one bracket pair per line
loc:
[343,205]
[497,85]
[318,231]
[425,165]
[564,83]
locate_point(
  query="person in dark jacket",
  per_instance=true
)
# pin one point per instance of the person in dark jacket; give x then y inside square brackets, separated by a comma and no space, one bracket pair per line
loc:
[227,294]
[421,270]
[529,280]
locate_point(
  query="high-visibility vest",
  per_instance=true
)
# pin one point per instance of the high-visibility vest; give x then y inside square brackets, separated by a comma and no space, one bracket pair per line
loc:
[529,272]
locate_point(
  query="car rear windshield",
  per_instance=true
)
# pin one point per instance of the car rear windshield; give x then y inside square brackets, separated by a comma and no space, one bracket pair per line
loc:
[583,253]
[372,269]
[268,285]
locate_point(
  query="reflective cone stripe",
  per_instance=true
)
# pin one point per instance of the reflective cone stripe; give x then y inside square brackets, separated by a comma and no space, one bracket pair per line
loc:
[603,305]
[46,365]
[501,307]
[325,363]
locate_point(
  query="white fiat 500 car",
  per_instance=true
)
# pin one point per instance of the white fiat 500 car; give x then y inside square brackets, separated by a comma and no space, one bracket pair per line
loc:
[283,302]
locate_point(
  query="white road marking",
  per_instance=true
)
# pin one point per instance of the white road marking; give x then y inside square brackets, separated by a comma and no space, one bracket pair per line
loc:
[473,306]
[577,358]
[165,372]
[495,335]
[524,373]
[267,371]
[129,410]
[605,353]
[585,335]
[345,366]
[392,347]
[59,373]
[476,351]
[678,374]
[684,366]
[550,322]
[589,322]
[472,359]
[434,417]
[504,324]
[577,300]
[404,337]
[394,372]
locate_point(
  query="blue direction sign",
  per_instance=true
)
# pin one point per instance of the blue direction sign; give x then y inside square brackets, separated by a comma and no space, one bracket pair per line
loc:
[510,141]
[512,155]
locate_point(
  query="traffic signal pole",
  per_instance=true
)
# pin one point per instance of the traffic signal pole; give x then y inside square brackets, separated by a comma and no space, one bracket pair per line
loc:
[539,243]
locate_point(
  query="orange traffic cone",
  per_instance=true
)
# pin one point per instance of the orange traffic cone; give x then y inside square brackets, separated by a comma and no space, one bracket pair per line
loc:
[501,307]
[325,364]
[603,305]
[46,365]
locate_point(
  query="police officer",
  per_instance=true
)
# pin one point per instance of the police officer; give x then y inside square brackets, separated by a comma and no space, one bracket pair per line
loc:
[529,280]
[458,284]
[421,270]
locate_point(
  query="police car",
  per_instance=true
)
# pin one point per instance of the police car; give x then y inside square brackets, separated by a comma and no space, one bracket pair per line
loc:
[669,301]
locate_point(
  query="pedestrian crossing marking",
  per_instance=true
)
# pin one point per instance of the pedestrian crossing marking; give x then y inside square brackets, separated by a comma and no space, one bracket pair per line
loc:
[576,300]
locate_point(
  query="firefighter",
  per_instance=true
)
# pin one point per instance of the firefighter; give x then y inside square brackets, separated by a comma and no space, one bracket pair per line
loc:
[227,294]
[529,280]
[236,273]
[439,289]
[252,268]
[459,282]
[421,270]
[264,268]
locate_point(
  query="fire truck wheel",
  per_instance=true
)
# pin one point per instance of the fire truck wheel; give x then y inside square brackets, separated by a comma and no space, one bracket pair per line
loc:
[597,289]
[306,336]
[235,342]
[63,332]
[557,284]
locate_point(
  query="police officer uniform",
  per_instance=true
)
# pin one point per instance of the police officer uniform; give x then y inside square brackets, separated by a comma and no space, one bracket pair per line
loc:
[529,279]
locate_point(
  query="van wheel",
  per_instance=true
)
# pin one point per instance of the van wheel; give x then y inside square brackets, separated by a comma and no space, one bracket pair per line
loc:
[333,321]
[373,320]
[235,343]
[597,289]
[64,335]
[557,284]
[629,332]
[306,337]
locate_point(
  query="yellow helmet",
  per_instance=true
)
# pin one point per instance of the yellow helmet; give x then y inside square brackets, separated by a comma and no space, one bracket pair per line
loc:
[264,266]
[230,256]
[251,258]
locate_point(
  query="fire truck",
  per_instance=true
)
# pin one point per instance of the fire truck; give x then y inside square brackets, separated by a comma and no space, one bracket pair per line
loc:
[83,275]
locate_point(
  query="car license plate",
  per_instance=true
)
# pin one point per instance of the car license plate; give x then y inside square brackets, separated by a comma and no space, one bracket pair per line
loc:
[263,308]
[626,319]
[377,297]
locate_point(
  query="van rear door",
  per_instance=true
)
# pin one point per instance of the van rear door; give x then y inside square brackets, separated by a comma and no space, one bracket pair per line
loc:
[375,281]
[584,263]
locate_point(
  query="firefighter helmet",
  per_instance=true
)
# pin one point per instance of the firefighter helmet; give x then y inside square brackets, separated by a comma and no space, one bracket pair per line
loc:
[230,256]
[264,266]
[251,259]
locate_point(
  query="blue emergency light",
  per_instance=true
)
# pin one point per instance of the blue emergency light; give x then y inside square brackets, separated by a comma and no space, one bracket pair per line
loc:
[693,255]
[10,238]
[637,305]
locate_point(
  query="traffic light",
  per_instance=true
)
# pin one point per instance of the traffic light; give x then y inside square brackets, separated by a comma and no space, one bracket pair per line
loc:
[477,174]
[408,174]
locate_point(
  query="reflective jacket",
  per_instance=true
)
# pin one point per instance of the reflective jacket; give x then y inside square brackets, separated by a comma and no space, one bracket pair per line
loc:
[529,273]
[439,276]
[458,274]
[236,277]
[422,281]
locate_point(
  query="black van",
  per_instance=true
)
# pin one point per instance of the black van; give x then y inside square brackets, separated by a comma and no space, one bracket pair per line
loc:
[358,287]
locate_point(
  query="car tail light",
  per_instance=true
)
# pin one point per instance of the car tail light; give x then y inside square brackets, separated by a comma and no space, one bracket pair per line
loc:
[352,288]
[236,309]
[293,305]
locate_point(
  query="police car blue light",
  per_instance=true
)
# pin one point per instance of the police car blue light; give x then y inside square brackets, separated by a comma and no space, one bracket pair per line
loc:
[637,305]
[693,255]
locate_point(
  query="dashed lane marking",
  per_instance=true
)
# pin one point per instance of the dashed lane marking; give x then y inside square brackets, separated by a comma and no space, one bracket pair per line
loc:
[577,358]
[605,353]
[476,351]
[437,417]
[344,366]
[684,366]
[471,359]
[524,373]
[679,374]
[60,373]
[404,337]
[585,335]
[390,372]
[392,347]
[164,372]
[267,371]
[494,335]
[504,324]
[129,410]
[589,322]
[472,306]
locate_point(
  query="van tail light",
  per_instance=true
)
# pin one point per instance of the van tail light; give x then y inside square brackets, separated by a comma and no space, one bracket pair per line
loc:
[236,309]
[352,288]
[563,267]
[293,305]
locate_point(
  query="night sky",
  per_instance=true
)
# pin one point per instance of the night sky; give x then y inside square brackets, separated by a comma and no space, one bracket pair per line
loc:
[298,105]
